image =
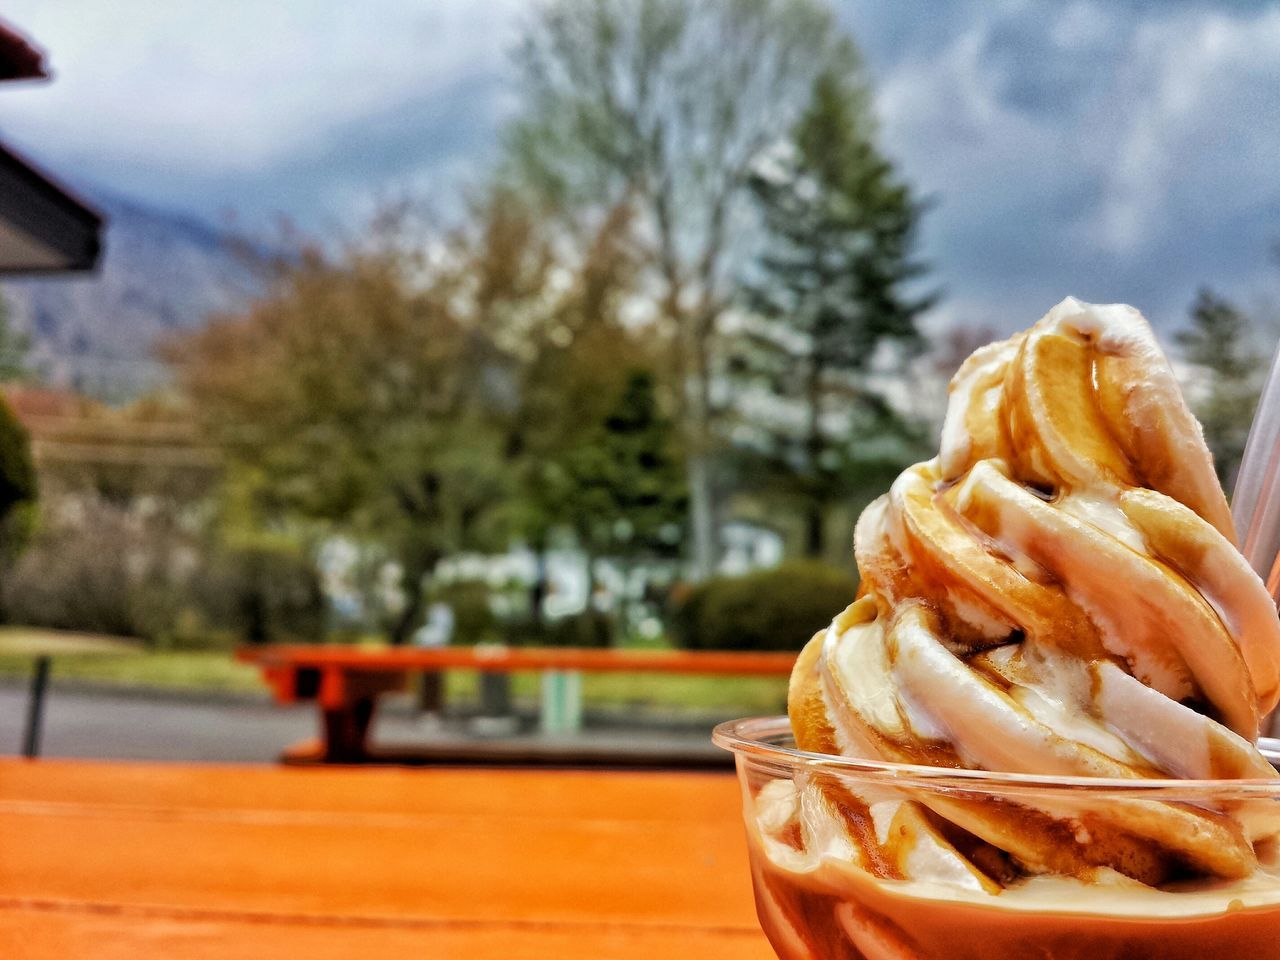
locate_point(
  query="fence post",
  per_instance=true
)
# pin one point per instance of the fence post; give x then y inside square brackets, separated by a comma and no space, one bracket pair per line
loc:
[35,707]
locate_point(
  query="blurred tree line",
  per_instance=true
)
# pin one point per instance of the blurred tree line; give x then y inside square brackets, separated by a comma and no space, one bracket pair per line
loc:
[568,363]
[680,297]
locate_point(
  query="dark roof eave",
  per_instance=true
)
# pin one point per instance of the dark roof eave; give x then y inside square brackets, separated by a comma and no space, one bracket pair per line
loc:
[49,215]
[20,59]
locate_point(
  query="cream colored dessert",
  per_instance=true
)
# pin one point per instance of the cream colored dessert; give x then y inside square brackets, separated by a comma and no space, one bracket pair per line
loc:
[1059,593]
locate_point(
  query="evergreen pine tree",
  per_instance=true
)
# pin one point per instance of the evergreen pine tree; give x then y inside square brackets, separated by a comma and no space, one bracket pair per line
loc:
[1220,343]
[829,289]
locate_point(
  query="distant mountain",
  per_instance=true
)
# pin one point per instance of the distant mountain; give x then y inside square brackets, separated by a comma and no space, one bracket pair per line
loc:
[160,272]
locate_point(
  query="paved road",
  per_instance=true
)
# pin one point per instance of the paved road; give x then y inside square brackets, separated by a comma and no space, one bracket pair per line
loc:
[106,725]
[111,726]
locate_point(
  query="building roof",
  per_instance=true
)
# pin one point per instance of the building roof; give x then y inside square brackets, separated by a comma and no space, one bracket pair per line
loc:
[44,227]
[70,429]
[19,58]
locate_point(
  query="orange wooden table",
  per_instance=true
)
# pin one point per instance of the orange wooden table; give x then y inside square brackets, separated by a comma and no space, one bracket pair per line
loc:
[106,860]
[347,681]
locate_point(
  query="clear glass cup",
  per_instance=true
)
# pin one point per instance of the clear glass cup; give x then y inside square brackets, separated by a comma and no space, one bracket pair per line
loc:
[846,861]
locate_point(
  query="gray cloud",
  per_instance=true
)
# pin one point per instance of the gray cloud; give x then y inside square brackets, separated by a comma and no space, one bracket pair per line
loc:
[1113,150]
[293,106]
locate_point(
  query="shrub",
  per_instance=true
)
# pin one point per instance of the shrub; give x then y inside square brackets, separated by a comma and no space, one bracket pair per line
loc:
[588,628]
[473,618]
[102,567]
[778,609]
[585,629]
[474,621]
[263,593]
[75,575]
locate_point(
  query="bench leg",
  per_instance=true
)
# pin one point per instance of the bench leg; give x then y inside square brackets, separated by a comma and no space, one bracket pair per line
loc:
[346,731]
[431,692]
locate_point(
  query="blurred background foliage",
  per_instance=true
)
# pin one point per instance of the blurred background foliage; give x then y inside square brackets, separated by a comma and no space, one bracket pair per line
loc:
[635,392]
[778,609]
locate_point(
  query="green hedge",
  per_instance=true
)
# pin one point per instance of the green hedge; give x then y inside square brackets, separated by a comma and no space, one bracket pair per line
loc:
[587,628]
[107,570]
[475,622]
[473,618]
[778,609]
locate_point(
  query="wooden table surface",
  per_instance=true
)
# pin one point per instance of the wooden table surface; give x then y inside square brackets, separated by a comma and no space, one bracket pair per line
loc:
[107,860]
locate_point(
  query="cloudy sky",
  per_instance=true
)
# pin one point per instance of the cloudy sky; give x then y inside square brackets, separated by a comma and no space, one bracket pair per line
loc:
[1113,150]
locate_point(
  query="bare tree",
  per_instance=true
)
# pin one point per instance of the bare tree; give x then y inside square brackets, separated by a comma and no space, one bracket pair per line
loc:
[668,105]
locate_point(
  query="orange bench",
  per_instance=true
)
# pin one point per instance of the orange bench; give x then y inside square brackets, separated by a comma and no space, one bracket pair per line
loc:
[347,681]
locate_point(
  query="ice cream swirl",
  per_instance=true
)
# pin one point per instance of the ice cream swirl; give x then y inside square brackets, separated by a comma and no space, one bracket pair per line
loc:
[1058,592]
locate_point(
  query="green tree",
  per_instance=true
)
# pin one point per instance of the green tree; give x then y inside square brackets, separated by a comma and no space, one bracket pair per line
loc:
[665,105]
[628,479]
[558,319]
[261,575]
[18,488]
[626,487]
[1220,342]
[359,395]
[14,346]
[830,286]
[568,350]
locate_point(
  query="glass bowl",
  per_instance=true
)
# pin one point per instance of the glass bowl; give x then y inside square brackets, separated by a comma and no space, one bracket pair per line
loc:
[867,859]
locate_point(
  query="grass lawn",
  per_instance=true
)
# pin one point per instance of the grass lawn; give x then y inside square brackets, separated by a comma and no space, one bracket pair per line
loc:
[752,695]
[122,662]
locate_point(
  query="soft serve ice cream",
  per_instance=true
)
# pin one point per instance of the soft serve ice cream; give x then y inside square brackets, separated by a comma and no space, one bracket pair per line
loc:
[1057,593]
